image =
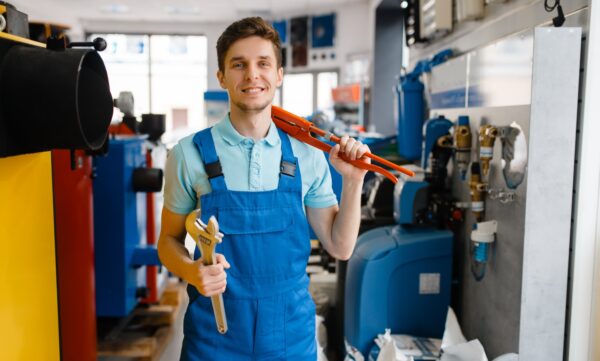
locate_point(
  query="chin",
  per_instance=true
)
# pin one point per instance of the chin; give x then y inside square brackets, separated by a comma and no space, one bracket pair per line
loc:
[253,107]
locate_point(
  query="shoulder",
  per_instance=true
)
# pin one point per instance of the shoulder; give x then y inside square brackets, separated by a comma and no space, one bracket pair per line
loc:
[186,153]
[305,151]
[313,164]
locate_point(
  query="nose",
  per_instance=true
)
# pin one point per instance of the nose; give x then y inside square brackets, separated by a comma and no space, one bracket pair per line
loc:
[252,72]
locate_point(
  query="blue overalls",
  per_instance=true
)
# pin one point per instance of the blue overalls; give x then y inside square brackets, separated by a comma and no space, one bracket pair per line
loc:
[270,313]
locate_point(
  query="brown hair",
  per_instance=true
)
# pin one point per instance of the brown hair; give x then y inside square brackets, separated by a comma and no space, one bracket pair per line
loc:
[245,28]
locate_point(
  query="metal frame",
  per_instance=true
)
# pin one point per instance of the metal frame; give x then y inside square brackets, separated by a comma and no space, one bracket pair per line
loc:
[584,321]
[553,121]
[534,232]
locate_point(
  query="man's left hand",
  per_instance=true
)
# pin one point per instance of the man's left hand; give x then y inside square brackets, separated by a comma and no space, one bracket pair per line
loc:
[353,150]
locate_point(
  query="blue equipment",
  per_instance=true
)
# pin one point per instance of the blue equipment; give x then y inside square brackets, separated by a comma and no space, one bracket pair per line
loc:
[411,106]
[120,225]
[398,278]
[410,197]
[433,129]
[411,111]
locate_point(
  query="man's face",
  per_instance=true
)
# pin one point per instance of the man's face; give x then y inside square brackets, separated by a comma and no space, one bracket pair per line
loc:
[250,74]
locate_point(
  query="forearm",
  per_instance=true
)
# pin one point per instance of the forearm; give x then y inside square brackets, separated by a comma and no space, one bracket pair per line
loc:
[347,221]
[174,256]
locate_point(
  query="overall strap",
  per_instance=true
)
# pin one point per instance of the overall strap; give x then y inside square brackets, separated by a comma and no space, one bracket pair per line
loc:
[289,170]
[206,146]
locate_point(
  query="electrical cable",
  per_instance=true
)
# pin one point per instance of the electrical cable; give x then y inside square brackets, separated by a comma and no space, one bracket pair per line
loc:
[558,20]
[550,8]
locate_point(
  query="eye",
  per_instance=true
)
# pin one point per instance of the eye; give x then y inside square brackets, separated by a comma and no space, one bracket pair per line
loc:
[264,64]
[237,65]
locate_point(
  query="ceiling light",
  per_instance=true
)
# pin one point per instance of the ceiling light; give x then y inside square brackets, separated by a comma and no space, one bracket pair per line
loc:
[404,4]
[181,9]
[114,9]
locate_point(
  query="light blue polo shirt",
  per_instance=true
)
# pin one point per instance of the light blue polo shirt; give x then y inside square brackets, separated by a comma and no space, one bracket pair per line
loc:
[248,165]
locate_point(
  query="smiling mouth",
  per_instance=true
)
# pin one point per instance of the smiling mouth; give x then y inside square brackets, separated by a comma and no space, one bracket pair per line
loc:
[253,90]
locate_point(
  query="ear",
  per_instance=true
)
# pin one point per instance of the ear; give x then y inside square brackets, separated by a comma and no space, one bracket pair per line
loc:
[221,78]
[279,76]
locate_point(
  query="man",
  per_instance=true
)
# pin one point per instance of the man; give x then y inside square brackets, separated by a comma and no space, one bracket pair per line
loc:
[262,186]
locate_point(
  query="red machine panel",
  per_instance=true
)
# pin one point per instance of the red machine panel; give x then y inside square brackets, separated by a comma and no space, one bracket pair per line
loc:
[75,254]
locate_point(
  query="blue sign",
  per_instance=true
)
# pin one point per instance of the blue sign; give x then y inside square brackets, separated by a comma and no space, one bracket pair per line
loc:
[323,31]
[281,28]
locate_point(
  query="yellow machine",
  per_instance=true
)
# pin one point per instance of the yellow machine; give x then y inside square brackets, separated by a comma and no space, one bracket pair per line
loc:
[28,306]
[42,90]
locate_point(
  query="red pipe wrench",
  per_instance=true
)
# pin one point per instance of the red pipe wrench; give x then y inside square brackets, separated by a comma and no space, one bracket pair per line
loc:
[301,128]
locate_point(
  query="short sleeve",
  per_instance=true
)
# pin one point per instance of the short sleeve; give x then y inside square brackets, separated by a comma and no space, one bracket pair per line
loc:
[320,193]
[179,196]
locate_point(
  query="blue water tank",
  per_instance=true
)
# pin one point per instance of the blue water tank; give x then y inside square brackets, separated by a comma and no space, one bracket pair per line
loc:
[119,227]
[399,278]
[411,113]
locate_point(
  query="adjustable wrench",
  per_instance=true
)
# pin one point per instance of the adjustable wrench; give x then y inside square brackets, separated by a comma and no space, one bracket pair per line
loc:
[207,236]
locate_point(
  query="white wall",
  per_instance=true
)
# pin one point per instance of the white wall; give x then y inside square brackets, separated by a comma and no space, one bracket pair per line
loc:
[354,33]
[354,28]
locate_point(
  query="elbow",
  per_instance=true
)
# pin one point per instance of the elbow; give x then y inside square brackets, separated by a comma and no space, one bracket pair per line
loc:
[344,255]
[160,250]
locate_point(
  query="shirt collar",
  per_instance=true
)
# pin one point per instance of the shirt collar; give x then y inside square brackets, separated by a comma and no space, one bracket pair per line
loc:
[231,136]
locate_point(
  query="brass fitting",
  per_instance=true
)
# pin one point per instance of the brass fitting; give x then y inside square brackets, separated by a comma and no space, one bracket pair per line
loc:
[444,141]
[463,140]
[478,188]
[487,137]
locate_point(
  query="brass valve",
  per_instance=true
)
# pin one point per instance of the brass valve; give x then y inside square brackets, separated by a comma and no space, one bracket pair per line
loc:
[463,140]
[478,188]
[487,137]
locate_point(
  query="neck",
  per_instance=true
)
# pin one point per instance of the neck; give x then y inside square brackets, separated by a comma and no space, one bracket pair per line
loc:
[252,124]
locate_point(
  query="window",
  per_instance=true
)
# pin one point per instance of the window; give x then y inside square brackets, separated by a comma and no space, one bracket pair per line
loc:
[326,81]
[305,93]
[166,74]
[298,94]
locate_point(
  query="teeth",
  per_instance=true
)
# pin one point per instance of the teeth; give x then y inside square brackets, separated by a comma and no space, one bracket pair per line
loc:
[252,90]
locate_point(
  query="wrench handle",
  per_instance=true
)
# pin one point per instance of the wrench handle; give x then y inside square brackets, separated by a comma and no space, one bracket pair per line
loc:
[208,256]
[219,311]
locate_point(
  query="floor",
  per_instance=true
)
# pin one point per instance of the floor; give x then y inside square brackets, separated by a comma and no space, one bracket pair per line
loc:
[173,348]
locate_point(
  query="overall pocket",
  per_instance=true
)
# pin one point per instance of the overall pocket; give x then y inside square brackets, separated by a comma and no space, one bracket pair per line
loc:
[260,243]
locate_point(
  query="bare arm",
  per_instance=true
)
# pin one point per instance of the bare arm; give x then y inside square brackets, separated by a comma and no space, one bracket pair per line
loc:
[209,280]
[337,228]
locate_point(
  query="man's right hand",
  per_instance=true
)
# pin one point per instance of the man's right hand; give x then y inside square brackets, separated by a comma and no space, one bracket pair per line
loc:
[208,280]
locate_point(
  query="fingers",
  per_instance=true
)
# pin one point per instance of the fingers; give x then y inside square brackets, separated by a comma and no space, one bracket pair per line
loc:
[211,285]
[212,279]
[352,148]
[213,270]
[212,289]
[334,153]
[222,260]
[360,154]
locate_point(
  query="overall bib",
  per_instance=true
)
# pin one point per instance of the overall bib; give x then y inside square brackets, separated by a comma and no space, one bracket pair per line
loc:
[270,313]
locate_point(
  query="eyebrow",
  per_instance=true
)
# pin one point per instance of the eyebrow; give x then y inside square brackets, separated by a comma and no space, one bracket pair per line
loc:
[239,58]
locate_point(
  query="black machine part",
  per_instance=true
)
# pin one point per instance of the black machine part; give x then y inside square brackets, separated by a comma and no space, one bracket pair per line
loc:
[99,44]
[377,199]
[154,125]
[440,156]
[147,180]
[52,99]
[439,209]
[14,22]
